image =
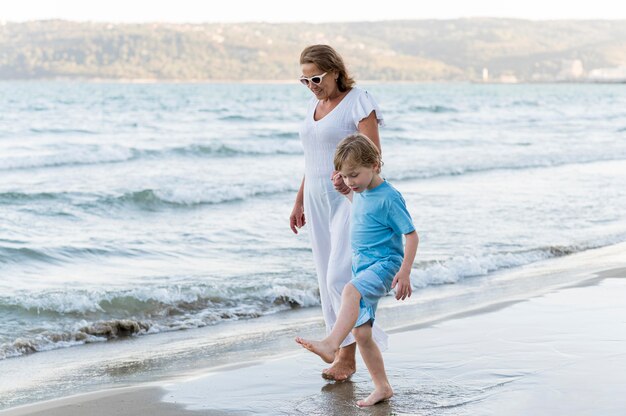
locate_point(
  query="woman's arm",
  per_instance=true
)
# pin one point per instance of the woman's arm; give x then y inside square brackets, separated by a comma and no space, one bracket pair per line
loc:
[369,127]
[296,219]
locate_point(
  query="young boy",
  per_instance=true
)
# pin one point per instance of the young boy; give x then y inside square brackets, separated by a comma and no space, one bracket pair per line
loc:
[379,219]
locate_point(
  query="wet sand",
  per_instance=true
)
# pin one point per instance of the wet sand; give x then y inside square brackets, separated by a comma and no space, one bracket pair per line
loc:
[560,353]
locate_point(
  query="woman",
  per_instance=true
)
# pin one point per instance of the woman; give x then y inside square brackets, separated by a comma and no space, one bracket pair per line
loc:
[337,110]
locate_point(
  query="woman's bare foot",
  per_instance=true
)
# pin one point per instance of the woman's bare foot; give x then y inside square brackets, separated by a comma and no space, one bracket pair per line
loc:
[321,348]
[376,396]
[339,371]
[344,365]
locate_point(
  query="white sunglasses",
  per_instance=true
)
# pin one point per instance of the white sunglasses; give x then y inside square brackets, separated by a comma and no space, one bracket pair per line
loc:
[316,79]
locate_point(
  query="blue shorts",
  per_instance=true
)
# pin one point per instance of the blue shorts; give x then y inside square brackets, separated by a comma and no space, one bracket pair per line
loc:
[372,287]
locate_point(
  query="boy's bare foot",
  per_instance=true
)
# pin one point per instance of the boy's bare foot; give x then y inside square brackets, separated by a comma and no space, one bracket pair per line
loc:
[325,351]
[377,396]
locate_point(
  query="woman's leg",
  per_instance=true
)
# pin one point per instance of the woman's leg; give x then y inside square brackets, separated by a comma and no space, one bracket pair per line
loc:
[338,275]
[317,211]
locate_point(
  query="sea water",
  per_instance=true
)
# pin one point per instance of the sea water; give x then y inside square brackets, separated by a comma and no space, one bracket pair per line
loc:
[128,210]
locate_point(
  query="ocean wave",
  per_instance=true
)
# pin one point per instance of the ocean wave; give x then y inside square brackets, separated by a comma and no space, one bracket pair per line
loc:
[145,311]
[288,135]
[213,194]
[214,110]
[21,197]
[12,254]
[63,131]
[240,149]
[81,155]
[20,254]
[96,332]
[101,315]
[151,199]
[458,268]
[169,196]
[95,155]
[190,197]
[524,103]
[428,172]
[432,109]
[159,301]
[238,117]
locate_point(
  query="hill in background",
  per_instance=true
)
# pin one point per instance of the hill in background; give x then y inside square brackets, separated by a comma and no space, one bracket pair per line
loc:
[505,50]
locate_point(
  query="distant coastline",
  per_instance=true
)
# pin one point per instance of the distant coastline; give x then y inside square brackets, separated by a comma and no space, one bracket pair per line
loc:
[462,50]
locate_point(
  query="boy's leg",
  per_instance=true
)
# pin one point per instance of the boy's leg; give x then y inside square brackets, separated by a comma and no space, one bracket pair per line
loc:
[348,315]
[375,365]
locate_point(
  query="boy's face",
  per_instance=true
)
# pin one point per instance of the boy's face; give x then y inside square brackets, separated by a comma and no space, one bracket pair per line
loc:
[359,178]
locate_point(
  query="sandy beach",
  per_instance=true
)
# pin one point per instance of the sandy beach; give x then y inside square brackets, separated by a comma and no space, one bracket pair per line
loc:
[561,351]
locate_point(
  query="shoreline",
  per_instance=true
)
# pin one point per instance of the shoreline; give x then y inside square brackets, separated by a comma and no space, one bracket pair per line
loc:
[187,387]
[183,397]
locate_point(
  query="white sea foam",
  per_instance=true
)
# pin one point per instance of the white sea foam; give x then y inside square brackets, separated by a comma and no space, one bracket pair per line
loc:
[460,267]
[97,315]
[456,268]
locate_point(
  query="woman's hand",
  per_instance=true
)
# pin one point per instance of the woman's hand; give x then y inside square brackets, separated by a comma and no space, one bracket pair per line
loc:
[297,220]
[339,184]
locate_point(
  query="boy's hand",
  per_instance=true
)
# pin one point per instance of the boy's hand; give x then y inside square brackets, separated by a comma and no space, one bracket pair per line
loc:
[403,283]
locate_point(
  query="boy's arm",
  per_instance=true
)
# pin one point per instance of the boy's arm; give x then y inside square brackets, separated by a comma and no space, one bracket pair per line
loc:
[403,277]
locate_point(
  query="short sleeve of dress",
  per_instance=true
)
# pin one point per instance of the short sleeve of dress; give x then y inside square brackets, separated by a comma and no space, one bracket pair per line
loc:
[363,107]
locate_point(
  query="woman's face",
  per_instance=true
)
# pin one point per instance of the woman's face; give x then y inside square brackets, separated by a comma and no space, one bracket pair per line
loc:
[326,88]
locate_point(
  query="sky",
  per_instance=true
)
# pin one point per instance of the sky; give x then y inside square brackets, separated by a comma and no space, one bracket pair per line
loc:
[314,11]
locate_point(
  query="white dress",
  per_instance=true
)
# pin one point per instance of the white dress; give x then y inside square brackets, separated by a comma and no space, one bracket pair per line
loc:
[327,212]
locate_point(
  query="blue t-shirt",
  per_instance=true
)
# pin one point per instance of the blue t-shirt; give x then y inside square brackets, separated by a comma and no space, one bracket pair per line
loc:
[379,219]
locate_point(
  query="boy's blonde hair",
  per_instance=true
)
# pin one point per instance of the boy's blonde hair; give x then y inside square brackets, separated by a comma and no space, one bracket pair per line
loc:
[357,150]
